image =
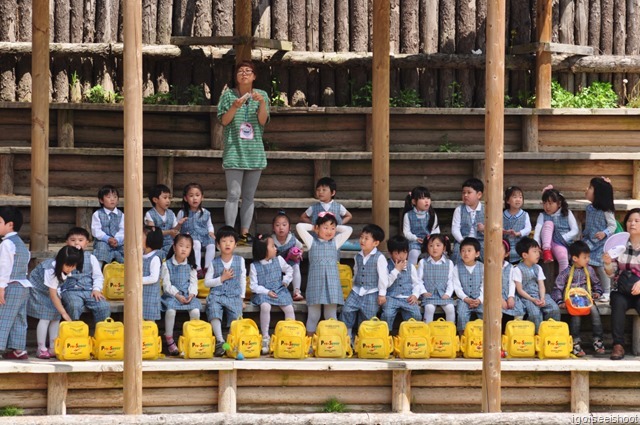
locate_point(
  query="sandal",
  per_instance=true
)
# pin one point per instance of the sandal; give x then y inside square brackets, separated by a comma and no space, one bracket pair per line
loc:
[43,354]
[297,296]
[577,350]
[172,347]
[598,345]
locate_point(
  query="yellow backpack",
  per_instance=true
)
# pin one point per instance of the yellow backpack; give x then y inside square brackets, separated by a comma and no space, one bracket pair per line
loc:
[445,341]
[553,340]
[73,342]
[197,340]
[471,341]
[108,340]
[413,340]
[331,340]
[203,291]
[244,338]
[519,339]
[290,340]
[151,342]
[345,272]
[113,287]
[373,340]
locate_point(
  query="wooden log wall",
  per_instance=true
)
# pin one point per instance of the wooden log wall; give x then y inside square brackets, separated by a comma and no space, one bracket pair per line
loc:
[417,26]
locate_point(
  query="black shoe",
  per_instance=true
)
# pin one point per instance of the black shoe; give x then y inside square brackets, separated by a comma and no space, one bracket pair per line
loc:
[220,351]
[246,239]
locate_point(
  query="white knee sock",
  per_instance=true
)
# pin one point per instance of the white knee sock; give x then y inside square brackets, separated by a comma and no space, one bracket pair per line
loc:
[169,322]
[216,324]
[41,334]
[265,319]
[194,314]
[197,250]
[209,255]
[288,312]
[54,327]
[297,278]
[414,254]
[429,310]
[313,317]
[331,311]
[449,312]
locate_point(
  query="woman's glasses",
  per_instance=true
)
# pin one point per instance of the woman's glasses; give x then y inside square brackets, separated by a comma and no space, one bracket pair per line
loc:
[244,72]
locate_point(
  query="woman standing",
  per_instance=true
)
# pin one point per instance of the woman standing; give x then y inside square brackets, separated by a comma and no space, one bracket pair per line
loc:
[243,112]
[625,291]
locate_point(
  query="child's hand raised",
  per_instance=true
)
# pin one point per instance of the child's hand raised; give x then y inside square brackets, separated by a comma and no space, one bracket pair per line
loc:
[606,259]
[401,265]
[413,300]
[226,275]
[272,294]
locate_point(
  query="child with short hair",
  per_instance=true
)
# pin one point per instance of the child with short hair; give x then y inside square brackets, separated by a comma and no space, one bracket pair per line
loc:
[14,285]
[581,270]
[180,285]
[198,225]
[419,220]
[468,218]
[556,227]
[289,248]
[436,274]
[370,280]
[83,288]
[162,217]
[151,266]
[44,302]
[325,192]
[515,221]
[227,277]
[107,227]
[323,282]
[268,285]
[404,286]
[529,280]
[468,283]
[511,305]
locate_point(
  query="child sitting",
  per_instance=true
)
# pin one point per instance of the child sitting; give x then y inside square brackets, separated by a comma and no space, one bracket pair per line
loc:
[468,278]
[468,218]
[325,192]
[289,248]
[83,288]
[162,217]
[511,305]
[436,274]
[419,220]
[180,285]
[404,286]
[198,225]
[580,256]
[44,301]
[227,277]
[529,280]
[268,286]
[370,280]
[515,221]
[107,227]
[14,285]
[151,266]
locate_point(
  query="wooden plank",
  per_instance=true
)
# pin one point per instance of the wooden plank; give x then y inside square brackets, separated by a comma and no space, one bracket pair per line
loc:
[25,399]
[83,218]
[109,398]
[174,379]
[206,41]
[321,168]
[589,140]
[530,133]
[272,44]
[293,378]
[401,391]
[65,128]
[11,381]
[227,391]
[242,29]
[635,191]
[314,395]
[579,392]
[6,174]
[614,380]
[435,379]
[457,396]
[165,172]
[570,49]
[614,397]
[543,59]
[57,394]
[570,123]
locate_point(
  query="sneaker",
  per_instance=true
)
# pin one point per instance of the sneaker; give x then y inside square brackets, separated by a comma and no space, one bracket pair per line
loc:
[598,345]
[577,350]
[547,256]
[265,345]
[16,355]
[245,239]
[219,352]
[604,298]
[297,296]
[43,354]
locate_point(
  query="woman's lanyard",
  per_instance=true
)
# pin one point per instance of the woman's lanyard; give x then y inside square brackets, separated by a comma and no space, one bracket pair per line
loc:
[246,129]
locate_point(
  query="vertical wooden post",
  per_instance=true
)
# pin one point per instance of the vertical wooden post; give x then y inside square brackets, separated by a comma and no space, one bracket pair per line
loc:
[635,191]
[243,30]
[217,132]
[227,381]
[380,114]
[40,126]
[57,394]
[543,59]
[6,174]
[494,170]
[401,391]
[579,391]
[165,171]
[65,128]
[83,217]
[321,168]
[368,133]
[530,133]
[133,206]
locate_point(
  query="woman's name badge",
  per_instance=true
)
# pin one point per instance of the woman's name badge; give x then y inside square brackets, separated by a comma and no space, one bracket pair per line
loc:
[246,131]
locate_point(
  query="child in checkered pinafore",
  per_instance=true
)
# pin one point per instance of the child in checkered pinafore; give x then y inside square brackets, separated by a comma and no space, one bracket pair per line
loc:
[227,277]
[405,287]
[44,302]
[162,217]
[198,225]
[107,227]
[436,274]
[289,248]
[419,221]
[511,305]
[268,286]
[180,285]
[14,285]
[151,266]
[325,192]
[468,218]
[468,283]
[370,280]
[323,281]
[515,221]
[600,224]
[529,280]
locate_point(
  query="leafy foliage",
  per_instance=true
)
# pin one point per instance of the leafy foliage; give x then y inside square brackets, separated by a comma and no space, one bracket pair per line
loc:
[97,94]
[447,146]
[454,98]
[333,406]
[192,95]
[11,411]
[597,95]
[407,98]
[276,97]
[633,98]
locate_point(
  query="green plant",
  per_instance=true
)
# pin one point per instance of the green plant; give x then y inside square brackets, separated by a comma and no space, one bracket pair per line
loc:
[193,95]
[597,95]
[276,96]
[74,79]
[363,97]
[447,146]
[97,94]
[633,98]
[160,99]
[407,98]
[11,411]
[454,99]
[333,406]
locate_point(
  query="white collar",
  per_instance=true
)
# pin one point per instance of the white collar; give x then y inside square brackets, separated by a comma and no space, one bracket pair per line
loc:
[477,208]
[442,260]
[149,254]
[373,251]
[173,260]
[107,211]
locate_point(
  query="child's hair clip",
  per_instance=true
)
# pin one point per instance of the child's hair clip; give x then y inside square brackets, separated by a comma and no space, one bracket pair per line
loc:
[606,179]
[281,212]
[547,187]
[259,236]
[323,213]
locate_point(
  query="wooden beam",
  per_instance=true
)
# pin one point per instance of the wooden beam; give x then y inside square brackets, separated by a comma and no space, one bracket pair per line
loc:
[635,191]
[6,174]
[494,171]
[579,392]
[83,217]
[65,128]
[133,176]
[206,41]
[543,59]
[217,132]
[272,44]
[380,114]
[227,391]
[57,384]
[368,133]
[243,30]
[321,168]
[401,391]
[530,133]
[570,49]
[165,172]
